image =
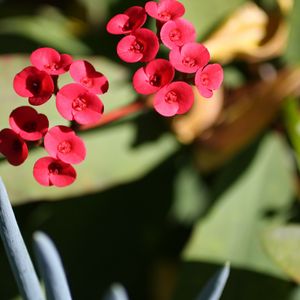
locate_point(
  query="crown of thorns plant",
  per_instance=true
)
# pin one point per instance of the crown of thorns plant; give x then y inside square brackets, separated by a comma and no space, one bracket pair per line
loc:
[169,80]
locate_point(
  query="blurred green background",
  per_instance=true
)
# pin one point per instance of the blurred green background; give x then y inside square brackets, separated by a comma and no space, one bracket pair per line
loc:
[160,204]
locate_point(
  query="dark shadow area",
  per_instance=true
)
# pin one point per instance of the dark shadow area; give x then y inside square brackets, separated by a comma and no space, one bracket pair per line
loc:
[242,284]
[150,126]
[224,177]
[112,236]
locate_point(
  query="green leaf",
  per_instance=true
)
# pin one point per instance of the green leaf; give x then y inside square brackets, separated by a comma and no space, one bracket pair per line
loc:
[292,54]
[205,15]
[49,27]
[292,123]
[282,243]
[230,232]
[111,157]
[191,195]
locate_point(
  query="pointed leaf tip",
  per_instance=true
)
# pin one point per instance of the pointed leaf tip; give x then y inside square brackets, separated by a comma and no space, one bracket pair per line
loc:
[116,292]
[215,286]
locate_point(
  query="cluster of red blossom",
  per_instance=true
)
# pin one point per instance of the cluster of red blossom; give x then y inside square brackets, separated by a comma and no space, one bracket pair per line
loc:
[186,56]
[75,101]
[79,101]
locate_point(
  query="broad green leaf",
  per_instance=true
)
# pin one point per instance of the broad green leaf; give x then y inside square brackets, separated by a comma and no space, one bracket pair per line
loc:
[292,122]
[205,15]
[214,288]
[295,294]
[111,157]
[191,196]
[283,245]
[49,27]
[230,231]
[292,55]
[97,11]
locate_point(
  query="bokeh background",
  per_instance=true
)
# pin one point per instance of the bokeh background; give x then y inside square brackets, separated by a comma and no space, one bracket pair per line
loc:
[160,204]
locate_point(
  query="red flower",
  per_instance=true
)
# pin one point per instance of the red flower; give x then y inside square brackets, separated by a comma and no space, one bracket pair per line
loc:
[50,61]
[62,143]
[153,76]
[85,74]
[133,18]
[13,147]
[177,33]
[141,45]
[208,79]
[165,10]
[28,123]
[174,98]
[189,58]
[49,171]
[35,84]
[74,102]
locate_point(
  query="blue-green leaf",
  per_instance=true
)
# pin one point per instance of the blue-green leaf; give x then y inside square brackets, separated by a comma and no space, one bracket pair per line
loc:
[214,288]
[51,268]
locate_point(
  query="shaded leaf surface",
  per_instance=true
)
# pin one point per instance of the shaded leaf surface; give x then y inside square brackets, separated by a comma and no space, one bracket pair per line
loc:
[283,245]
[230,231]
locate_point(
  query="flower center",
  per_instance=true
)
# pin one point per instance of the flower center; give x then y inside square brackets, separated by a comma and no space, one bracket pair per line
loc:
[136,47]
[29,126]
[205,79]
[189,62]
[166,16]
[175,35]
[16,146]
[64,147]
[54,168]
[171,97]
[86,81]
[33,84]
[154,80]
[52,67]
[79,103]
[127,26]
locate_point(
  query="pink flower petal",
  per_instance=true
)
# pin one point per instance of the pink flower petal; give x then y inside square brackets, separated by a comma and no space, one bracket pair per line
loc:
[189,58]
[164,108]
[74,102]
[61,142]
[141,84]
[177,33]
[50,61]
[133,18]
[41,172]
[141,45]
[91,115]
[149,79]
[208,79]
[49,171]
[116,24]
[175,98]
[13,147]
[33,83]
[165,10]
[28,123]
[84,73]
[125,52]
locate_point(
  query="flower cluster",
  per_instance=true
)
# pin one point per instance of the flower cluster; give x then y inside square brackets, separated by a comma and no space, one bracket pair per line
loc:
[189,58]
[78,102]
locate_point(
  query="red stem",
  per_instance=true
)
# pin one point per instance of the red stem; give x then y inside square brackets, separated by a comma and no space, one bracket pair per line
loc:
[115,115]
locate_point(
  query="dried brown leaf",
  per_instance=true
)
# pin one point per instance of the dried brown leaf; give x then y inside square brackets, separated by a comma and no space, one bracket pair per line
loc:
[252,109]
